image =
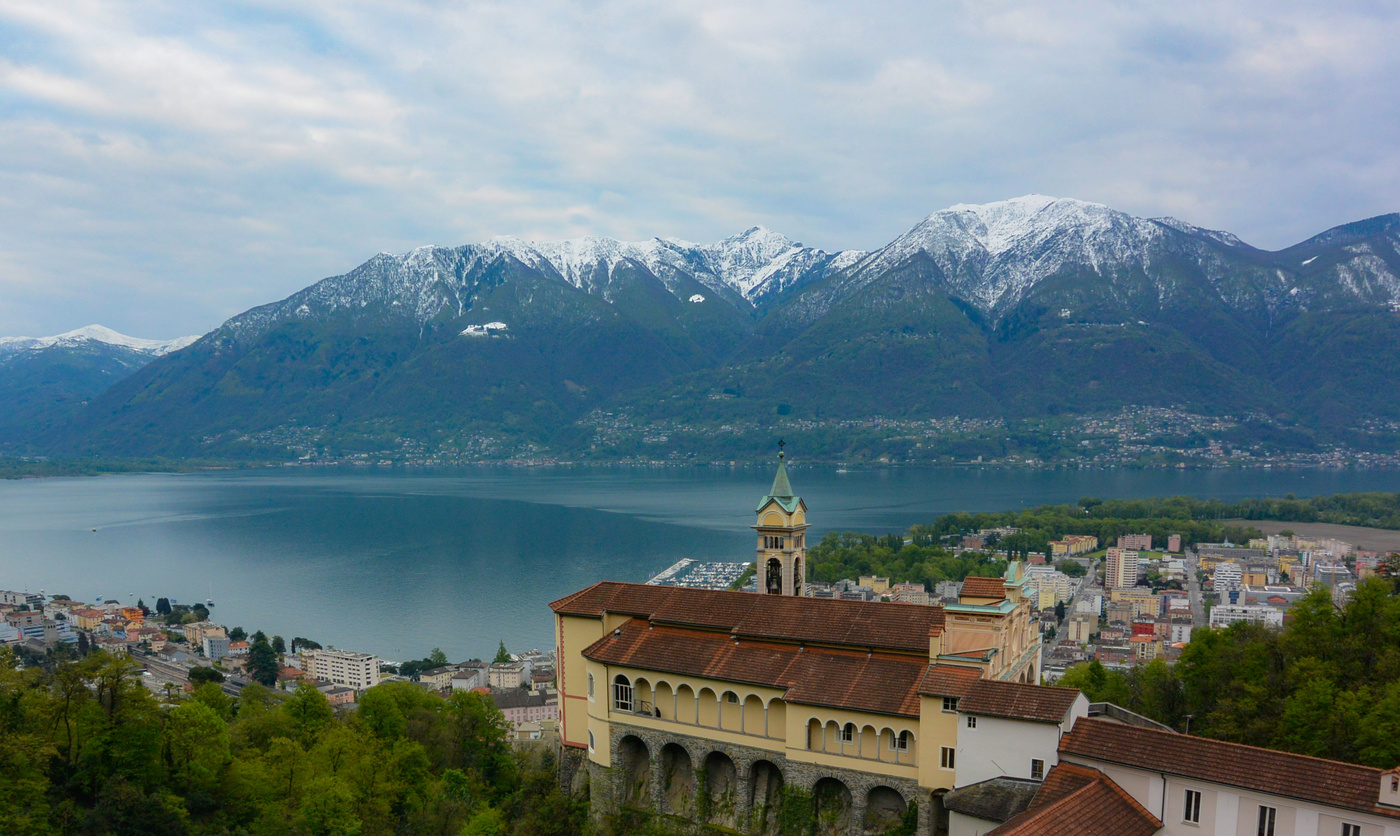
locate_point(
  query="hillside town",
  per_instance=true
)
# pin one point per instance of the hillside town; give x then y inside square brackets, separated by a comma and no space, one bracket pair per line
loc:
[176,648]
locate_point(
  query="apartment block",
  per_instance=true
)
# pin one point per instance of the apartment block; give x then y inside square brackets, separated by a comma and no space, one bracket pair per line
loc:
[342,667]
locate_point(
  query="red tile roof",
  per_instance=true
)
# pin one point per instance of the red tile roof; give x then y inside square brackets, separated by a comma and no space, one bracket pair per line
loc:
[775,617]
[878,683]
[1075,801]
[1301,777]
[1017,701]
[983,588]
[949,681]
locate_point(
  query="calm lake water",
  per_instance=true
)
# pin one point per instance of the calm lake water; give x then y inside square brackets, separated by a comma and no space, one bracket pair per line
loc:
[397,562]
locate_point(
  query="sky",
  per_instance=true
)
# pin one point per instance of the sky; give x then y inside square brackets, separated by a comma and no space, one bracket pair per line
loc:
[167,165]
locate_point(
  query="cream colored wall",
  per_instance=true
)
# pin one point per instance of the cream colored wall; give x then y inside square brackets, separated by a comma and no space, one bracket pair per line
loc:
[572,635]
[936,730]
[847,756]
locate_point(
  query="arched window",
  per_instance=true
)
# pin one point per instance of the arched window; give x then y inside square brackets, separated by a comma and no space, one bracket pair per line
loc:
[590,686]
[622,693]
[590,741]
[848,733]
[902,742]
[774,579]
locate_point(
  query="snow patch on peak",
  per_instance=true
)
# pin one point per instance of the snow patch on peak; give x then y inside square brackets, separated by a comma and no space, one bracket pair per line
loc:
[96,334]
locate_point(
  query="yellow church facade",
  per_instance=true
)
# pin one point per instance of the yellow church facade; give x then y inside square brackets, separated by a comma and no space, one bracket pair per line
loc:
[715,706]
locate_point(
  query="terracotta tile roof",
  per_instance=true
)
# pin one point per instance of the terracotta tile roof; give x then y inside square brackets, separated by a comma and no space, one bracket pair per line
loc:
[878,683]
[1017,701]
[1081,802]
[778,617]
[949,681]
[983,588]
[1301,777]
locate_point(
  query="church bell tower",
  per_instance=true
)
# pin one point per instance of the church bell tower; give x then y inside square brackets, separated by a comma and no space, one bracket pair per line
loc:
[782,538]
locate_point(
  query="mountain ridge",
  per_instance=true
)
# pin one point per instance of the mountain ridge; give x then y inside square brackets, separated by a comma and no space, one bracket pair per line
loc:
[1034,306]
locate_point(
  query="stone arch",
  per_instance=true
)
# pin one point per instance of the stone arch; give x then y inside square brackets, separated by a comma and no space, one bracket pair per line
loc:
[731,711]
[720,804]
[677,780]
[831,805]
[755,716]
[634,763]
[938,813]
[707,702]
[685,704]
[884,808]
[765,796]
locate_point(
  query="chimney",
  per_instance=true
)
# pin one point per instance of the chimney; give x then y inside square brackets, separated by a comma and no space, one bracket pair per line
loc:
[1390,788]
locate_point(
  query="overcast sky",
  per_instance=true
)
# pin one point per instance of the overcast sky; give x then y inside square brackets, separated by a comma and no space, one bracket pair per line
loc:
[166,165]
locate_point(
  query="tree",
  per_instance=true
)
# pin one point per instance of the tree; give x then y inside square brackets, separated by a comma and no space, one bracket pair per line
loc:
[300,643]
[197,740]
[262,662]
[437,658]
[502,655]
[199,675]
[163,606]
[278,645]
[1059,610]
[237,634]
[309,711]
[84,646]
[1073,568]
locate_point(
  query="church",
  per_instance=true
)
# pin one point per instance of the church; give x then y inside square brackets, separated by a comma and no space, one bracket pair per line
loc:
[714,706]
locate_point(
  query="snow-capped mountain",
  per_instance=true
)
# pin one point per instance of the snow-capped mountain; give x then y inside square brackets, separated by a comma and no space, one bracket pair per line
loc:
[1026,307]
[95,334]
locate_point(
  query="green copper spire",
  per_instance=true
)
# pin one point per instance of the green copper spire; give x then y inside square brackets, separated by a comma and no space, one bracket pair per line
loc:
[781,492]
[781,486]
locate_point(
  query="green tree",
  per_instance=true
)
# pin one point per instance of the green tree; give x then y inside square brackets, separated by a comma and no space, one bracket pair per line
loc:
[199,675]
[262,662]
[502,655]
[309,712]
[197,740]
[279,646]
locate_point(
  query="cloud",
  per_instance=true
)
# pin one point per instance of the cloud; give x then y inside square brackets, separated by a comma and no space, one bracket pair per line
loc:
[166,165]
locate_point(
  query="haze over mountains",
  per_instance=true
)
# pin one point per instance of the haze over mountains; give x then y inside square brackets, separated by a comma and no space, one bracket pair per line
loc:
[1029,307]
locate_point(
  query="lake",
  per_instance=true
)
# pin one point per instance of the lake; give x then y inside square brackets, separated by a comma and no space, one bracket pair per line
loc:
[397,562]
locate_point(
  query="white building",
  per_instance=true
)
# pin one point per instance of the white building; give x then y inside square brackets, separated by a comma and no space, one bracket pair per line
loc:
[215,647]
[342,667]
[1223,615]
[505,675]
[1228,576]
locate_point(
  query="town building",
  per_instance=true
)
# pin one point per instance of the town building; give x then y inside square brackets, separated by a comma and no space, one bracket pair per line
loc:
[503,676]
[470,676]
[342,667]
[520,706]
[439,678]
[910,593]
[215,647]
[1174,543]
[1223,615]
[1120,568]
[1133,780]
[1135,542]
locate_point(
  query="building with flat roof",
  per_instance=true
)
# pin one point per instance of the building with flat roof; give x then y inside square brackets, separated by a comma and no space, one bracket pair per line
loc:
[1223,615]
[342,667]
[1120,568]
